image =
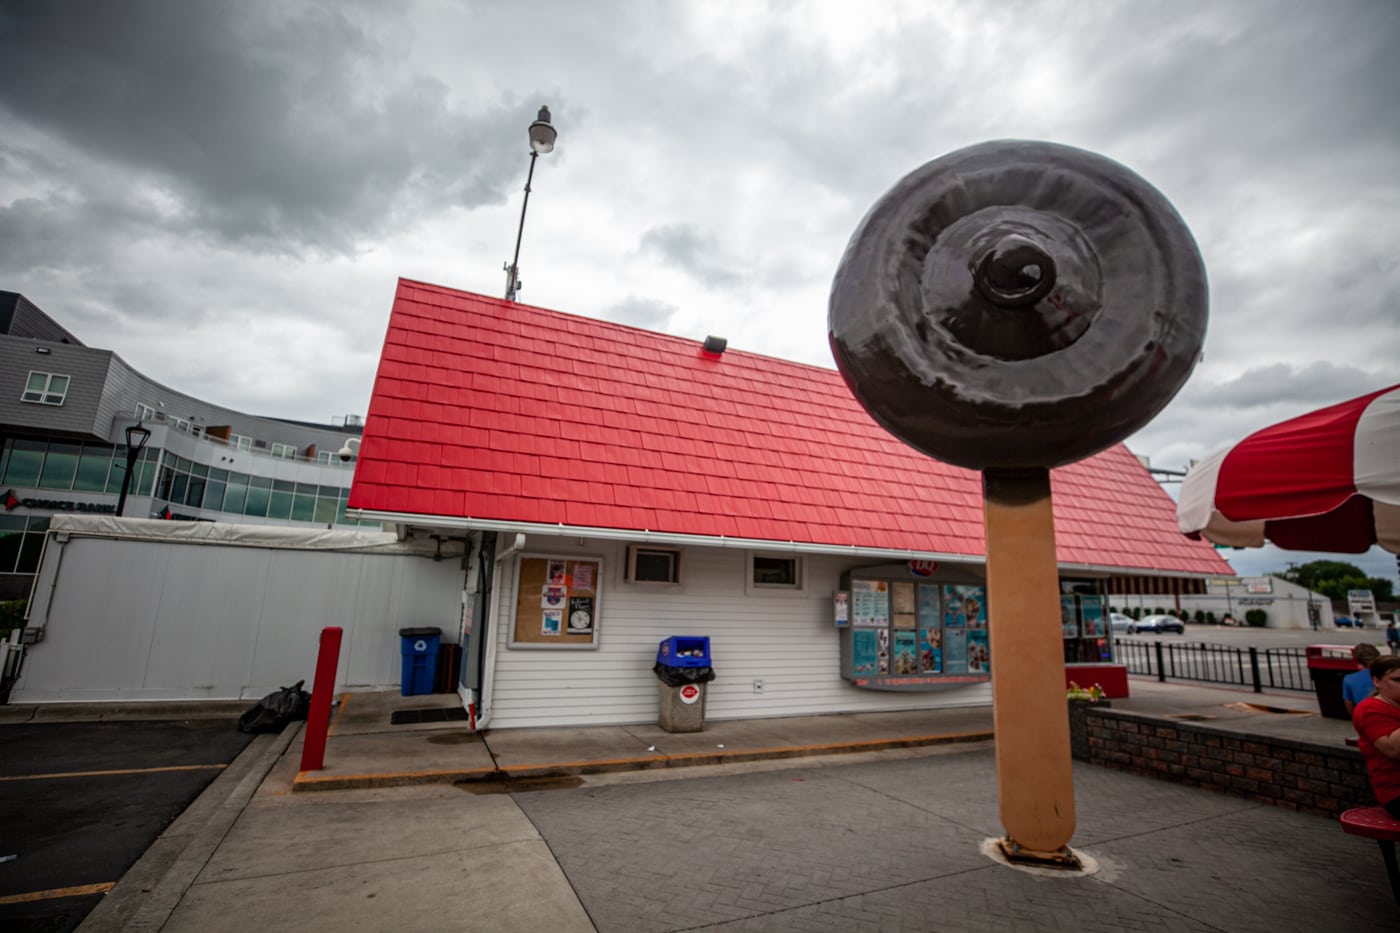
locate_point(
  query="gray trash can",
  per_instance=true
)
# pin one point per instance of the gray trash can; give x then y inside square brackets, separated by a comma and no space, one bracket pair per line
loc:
[682,670]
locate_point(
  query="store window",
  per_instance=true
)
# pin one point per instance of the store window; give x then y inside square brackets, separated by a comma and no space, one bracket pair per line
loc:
[25,462]
[21,542]
[653,565]
[770,572]
[45,388]
[259,494]
[60,465]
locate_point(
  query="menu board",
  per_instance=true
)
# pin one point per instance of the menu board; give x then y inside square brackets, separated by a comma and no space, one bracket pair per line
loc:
[915,634]
[870,605]
[1091,617]
[556,602]
[1069,617]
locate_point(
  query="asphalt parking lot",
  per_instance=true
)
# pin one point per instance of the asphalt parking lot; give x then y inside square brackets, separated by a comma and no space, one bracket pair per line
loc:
[81,801]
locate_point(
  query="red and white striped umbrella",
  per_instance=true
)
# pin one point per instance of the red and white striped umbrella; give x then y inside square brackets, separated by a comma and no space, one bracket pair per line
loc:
[1325,481]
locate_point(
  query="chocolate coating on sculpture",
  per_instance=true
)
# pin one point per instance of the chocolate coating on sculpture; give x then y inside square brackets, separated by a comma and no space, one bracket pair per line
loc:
[1018,304]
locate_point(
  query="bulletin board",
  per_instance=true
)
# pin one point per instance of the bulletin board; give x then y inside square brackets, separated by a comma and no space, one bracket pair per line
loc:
[556,602]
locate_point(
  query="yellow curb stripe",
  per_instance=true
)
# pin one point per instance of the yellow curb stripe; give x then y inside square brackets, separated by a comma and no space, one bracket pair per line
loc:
[306,778]
[339,712]
[81,890]
[780,751]
[315,780]
[80,774]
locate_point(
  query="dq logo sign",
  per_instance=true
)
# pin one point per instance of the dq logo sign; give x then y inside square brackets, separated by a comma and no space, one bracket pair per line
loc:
[690,693]
[923,568]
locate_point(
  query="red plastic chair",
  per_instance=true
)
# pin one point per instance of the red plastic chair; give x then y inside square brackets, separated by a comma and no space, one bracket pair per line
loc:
[1375,823]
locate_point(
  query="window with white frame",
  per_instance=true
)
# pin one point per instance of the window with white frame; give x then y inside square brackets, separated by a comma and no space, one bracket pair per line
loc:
[45,388]
[778,572]
[325,456]
[182,425]
[647,564]
[285,451]
[145,412]
[239,442]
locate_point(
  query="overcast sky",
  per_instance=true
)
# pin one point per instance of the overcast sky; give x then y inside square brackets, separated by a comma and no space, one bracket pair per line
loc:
[225,193]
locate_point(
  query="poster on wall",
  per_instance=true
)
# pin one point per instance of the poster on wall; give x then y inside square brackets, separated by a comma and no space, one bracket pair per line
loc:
[556,602]
[906,657]
[964,607]
[870,604]
[1091,611]
[955,651]
[927,606]
[580,615]
[883,655]
[979,661]
[1069,620]
[864,651]
[931,651]
[841,610]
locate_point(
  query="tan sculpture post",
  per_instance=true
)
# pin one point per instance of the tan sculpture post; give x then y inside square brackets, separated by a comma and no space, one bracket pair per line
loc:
[1013,307]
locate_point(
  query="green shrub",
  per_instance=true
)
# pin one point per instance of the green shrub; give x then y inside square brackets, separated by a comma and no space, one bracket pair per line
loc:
[1256,618]
[1210,617]
[1201,616]
[12,615]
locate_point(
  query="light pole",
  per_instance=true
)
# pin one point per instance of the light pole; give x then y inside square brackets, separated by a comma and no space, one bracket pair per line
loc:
[136,437]
[542,136]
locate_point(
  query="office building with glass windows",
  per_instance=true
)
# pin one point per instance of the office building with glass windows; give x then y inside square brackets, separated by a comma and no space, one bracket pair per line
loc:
[64,411]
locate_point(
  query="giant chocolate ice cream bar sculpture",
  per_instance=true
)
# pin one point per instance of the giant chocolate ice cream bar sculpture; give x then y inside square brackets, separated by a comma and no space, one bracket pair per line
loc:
[1012,307]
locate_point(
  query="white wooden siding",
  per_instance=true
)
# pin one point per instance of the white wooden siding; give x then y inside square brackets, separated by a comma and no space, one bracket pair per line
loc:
[785,639]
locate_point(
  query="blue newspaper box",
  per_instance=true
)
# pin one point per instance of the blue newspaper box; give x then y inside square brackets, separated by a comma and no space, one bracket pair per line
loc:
[684,651]
[419,648]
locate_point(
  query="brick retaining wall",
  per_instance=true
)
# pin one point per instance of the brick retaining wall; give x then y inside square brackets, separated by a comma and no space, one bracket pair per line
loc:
[1300,776]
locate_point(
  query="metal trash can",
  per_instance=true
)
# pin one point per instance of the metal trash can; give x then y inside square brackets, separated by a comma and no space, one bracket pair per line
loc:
[682,669]
[419,649]
[1328,666]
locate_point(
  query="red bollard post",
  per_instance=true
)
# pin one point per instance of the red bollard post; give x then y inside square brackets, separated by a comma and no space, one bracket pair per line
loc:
[318,718]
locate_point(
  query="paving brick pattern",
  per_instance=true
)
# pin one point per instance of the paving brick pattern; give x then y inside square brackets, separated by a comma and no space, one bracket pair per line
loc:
[893,845]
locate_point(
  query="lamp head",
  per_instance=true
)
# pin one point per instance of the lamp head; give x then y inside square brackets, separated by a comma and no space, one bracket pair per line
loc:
[137,435]
[542,134]
[347,453]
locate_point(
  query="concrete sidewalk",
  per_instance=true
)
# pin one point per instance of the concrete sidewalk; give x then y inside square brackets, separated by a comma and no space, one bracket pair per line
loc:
[424,826]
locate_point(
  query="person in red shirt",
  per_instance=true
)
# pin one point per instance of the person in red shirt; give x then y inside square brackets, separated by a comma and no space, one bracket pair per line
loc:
[1377,723]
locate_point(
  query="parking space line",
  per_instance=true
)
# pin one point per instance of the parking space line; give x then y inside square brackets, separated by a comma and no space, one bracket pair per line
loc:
[80,774]
[344,702]
[81,890]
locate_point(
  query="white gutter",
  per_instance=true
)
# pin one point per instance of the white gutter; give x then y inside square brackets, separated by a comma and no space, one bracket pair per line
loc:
[659,537]
[488,667]
[722,541]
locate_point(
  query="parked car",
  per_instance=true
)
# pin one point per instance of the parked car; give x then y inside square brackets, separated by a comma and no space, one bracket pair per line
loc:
[1157,624]
[1119,624]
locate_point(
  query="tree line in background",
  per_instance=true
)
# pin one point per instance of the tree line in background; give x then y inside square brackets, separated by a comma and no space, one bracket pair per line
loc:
[1332,578]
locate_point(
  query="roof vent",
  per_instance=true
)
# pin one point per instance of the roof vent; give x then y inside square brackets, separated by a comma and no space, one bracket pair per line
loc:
[715,345]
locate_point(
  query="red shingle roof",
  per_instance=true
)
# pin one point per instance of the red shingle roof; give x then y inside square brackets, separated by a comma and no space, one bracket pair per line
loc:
[495,411]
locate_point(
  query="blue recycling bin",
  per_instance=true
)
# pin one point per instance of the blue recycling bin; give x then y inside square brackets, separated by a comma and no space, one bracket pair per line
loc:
[419,648]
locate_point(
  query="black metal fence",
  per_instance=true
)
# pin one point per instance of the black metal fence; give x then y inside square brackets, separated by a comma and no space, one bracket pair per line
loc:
[1274,668]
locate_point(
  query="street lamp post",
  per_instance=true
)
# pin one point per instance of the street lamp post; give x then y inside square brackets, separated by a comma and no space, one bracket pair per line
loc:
[542,136]
[136,437]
